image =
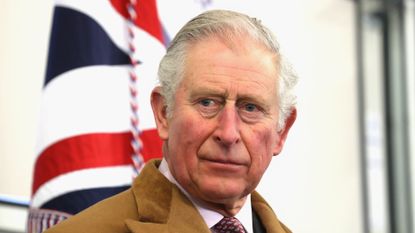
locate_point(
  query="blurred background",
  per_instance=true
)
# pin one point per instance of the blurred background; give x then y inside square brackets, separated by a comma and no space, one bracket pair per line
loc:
[349,162]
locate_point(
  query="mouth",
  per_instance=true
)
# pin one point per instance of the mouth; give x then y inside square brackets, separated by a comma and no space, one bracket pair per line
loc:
[224,161]
[224,165]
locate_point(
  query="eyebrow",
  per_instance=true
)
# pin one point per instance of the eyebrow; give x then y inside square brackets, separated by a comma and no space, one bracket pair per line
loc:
[217,92]
[201,90]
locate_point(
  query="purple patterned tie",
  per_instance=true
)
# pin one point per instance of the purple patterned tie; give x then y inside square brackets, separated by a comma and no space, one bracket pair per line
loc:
[229,225]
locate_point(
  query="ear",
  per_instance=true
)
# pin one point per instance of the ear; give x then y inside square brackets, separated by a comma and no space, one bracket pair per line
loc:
[284,131]
[159,106]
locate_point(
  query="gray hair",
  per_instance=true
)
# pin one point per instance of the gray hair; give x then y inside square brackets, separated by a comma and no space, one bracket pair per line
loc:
[227,25]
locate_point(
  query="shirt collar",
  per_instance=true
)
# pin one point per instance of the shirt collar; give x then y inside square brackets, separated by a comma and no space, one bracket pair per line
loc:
[209,216]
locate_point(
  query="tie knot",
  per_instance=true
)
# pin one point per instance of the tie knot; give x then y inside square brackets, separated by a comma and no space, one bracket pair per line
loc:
[229,225]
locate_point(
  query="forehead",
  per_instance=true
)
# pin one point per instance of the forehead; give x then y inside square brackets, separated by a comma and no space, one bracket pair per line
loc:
[250,52]
[243,63]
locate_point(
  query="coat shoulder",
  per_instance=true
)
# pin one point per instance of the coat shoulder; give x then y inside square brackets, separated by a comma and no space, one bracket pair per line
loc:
[106,216]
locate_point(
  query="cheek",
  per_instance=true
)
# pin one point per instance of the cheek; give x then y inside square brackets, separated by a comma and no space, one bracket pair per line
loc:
[189,134]
[264,138]
[186,130]
[260,146]
[183,147]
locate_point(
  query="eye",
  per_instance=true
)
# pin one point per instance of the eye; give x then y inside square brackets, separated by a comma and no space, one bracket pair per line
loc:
[208,107]
[207,102]
[250,112]
[250,107]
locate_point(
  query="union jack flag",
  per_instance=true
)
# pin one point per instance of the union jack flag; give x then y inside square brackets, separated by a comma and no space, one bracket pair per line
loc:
[96,85]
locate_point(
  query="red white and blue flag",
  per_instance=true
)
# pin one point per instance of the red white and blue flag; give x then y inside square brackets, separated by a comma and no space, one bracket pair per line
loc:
[102,65]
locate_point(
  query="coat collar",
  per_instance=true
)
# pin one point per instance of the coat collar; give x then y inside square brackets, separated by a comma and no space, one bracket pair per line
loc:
[266,214]
[161,206]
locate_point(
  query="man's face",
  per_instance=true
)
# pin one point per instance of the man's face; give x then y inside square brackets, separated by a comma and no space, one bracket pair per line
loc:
[223,131]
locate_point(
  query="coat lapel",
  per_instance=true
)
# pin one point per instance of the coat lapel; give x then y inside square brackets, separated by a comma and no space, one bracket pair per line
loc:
[162,207]
[267,216]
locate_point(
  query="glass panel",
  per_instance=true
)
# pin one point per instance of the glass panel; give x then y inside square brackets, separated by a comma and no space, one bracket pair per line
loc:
[374,119]
[409,28]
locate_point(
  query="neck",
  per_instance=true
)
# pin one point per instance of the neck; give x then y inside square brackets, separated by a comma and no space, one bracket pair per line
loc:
[227,209]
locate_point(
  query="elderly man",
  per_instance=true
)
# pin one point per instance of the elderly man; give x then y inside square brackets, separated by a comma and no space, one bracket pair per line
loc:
[223,109]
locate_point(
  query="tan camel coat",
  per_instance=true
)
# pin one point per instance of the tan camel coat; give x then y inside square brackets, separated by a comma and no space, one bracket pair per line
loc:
[153,205]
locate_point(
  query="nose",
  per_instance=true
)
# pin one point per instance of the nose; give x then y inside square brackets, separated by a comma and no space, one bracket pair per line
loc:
[227,130]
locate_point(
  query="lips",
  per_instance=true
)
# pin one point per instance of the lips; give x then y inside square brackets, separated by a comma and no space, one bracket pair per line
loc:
[226,161]
[235,156]
[223,168]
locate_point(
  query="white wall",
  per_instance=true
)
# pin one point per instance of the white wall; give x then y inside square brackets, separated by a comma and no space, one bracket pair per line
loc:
[24,30]
[313,185]
[24,33]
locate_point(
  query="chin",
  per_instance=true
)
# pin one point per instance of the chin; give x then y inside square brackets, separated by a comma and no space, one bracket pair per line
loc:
[222,195]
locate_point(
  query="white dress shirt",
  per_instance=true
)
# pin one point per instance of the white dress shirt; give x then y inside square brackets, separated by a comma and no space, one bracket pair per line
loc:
[209,216]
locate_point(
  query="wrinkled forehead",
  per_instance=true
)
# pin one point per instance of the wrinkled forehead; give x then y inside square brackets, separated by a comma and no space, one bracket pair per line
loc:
[238,61]
[238,41]
[238,45]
